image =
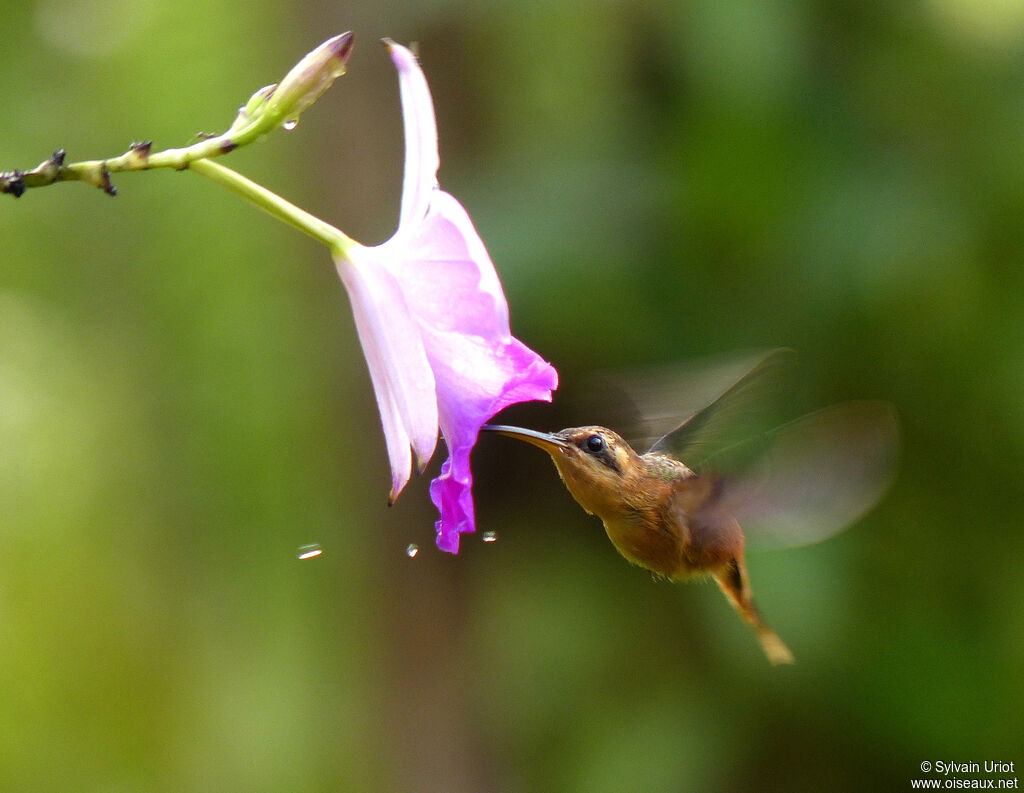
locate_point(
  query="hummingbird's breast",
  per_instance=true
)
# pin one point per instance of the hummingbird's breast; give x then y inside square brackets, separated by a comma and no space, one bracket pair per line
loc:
[641,524]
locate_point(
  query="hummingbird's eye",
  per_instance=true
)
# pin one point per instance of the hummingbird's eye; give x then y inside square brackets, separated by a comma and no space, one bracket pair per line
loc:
[595,444]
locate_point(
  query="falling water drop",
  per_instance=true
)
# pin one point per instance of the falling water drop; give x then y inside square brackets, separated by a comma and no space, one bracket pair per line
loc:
[489,536]
[412,550]
[310,551]
[290,124]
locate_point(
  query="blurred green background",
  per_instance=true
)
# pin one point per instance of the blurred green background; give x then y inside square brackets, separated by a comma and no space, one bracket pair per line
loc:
[183,402]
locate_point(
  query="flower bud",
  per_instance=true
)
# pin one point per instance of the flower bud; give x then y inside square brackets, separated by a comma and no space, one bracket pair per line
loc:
[308,79]
[253,108]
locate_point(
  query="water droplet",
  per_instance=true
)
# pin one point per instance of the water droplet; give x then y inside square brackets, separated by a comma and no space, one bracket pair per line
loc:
[412,550]
[310,551]
[489,536]
[290,124]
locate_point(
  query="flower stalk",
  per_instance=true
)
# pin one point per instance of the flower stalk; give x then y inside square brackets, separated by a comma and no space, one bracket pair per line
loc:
[271,203]
[270,108]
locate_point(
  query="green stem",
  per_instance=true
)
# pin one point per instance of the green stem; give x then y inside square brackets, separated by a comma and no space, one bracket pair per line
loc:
[269,108]
[273,204]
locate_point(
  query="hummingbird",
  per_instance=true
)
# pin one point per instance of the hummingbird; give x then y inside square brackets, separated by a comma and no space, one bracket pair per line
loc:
[808,479]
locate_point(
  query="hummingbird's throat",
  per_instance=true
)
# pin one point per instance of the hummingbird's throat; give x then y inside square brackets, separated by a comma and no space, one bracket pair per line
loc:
[595,488]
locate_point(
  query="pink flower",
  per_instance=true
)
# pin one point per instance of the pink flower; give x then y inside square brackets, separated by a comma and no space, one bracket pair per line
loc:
[433,323]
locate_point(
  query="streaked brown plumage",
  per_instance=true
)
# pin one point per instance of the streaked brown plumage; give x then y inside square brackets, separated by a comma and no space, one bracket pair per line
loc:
[656,512]
[797,483]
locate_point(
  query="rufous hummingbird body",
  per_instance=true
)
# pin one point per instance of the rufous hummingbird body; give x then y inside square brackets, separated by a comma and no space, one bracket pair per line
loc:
[660,514]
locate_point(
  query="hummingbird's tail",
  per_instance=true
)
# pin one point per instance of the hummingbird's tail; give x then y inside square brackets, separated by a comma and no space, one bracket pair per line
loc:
[732,580]
[773,646]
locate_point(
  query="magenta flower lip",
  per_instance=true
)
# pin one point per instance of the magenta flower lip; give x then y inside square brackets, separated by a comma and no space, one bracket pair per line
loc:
[433,323]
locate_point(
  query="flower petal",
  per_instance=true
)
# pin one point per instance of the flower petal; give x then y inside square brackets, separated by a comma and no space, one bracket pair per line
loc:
[432,317]
[450,283]
[446,270]
[421,154]
[403,381]
[481,380]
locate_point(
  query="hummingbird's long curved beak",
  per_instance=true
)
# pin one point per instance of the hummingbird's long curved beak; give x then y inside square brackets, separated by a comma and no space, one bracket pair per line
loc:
[543,440]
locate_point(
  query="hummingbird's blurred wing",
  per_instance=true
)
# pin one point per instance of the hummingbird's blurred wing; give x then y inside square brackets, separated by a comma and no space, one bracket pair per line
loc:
[742,411]
[804,481]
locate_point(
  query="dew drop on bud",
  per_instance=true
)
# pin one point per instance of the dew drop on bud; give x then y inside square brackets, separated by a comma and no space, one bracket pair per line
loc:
[290,124]
[412,550]
[489,536]
[310,551]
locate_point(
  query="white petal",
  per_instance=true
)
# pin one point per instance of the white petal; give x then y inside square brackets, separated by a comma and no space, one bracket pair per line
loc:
[421,154]
[402,379]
